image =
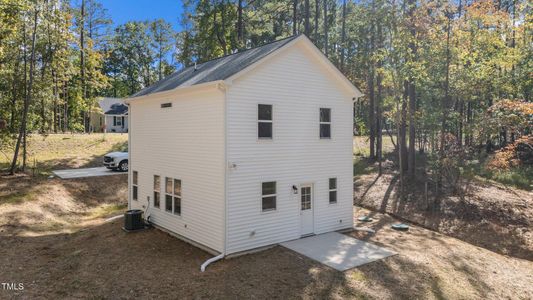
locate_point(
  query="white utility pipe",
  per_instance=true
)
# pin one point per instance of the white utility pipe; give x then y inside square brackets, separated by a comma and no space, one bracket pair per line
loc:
[212,259]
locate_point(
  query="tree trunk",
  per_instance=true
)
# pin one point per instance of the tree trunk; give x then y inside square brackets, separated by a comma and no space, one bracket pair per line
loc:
[326,27]
[379,131]
[294,17]
[468,134]
[461,123]
[343,35]
[160,53]
[412,130]
[240,25]
[412,94]
[403,129]
[371,115]
[14,98]
[65,108]
[317,17]
[445,100]
[307,25]
[27,100]
[82,61]
[55,122]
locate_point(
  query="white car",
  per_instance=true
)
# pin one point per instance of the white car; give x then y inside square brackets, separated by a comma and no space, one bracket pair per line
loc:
[116,161]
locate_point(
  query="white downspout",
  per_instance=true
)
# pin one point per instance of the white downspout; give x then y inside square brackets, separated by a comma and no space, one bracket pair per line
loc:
[130,172]
[212,259]
[223,87]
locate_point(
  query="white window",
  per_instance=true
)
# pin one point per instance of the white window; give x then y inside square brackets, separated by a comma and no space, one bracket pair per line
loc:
[325,123]
[134,185]
[332,190]
[268,198]
[157,191]
[173,195]
[264,121]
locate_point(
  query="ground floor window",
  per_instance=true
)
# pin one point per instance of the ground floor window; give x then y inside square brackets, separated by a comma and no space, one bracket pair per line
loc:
[134,186]
[173,195]
[268,196]
[332,190]
[157,190]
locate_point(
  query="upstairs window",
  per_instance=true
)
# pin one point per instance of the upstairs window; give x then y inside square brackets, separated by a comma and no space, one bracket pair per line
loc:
[134,185]
[264,121]
[332,190]
[268,198]
[157,190]
[173,195]
[325,123]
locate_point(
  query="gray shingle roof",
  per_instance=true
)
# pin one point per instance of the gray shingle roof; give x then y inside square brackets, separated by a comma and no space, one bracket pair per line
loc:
[117,109]
[213,70]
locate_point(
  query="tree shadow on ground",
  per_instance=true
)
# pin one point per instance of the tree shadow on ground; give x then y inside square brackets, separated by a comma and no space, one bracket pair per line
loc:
[480,217]
[104,261]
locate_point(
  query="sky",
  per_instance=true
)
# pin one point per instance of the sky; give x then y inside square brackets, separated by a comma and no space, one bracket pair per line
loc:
[122,11]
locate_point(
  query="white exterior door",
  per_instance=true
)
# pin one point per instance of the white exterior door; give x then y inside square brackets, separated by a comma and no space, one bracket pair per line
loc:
[306,209]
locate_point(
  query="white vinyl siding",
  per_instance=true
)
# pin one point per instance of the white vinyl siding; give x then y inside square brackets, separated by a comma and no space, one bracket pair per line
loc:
[297,86]
[186,142]
[209,139]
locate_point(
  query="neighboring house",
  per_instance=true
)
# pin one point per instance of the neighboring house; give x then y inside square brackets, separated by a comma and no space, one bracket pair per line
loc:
[247,150]
[96,120]
[115,114]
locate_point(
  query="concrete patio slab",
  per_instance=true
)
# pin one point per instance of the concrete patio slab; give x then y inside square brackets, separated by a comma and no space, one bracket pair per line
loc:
[86,172]
[337,250]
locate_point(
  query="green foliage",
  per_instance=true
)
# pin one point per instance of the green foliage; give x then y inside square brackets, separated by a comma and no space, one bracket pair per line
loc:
[460,58]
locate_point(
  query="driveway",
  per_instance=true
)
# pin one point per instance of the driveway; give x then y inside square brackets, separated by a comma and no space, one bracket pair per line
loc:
[86,172]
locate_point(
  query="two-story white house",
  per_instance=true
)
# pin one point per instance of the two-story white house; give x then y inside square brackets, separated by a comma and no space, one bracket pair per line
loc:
[247,150]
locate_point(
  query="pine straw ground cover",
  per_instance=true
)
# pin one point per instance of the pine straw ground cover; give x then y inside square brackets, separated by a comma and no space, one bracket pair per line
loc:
[55,241]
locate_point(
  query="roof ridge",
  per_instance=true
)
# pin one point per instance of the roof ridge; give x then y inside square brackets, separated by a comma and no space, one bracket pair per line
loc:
[215,69]
[243,50]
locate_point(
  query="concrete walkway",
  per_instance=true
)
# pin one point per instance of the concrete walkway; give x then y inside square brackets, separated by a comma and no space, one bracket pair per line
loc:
[337,250]
[87,172]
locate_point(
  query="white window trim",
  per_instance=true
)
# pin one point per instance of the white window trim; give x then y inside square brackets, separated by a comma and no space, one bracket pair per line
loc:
[159,191]
[271,210]
[171,212]
[333,190]
[264,139]
[320,123]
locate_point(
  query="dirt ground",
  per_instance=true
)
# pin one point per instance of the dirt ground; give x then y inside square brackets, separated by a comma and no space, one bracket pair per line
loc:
[54,239]
[492,216]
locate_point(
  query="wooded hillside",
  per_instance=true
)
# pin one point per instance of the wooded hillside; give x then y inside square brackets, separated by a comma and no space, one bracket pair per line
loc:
[446,79]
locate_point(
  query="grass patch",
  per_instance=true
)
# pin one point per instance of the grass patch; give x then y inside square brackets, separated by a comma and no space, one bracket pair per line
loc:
[18,198]
[63,151]
[357,275]
[106,210]
[363,166]
[518,177]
